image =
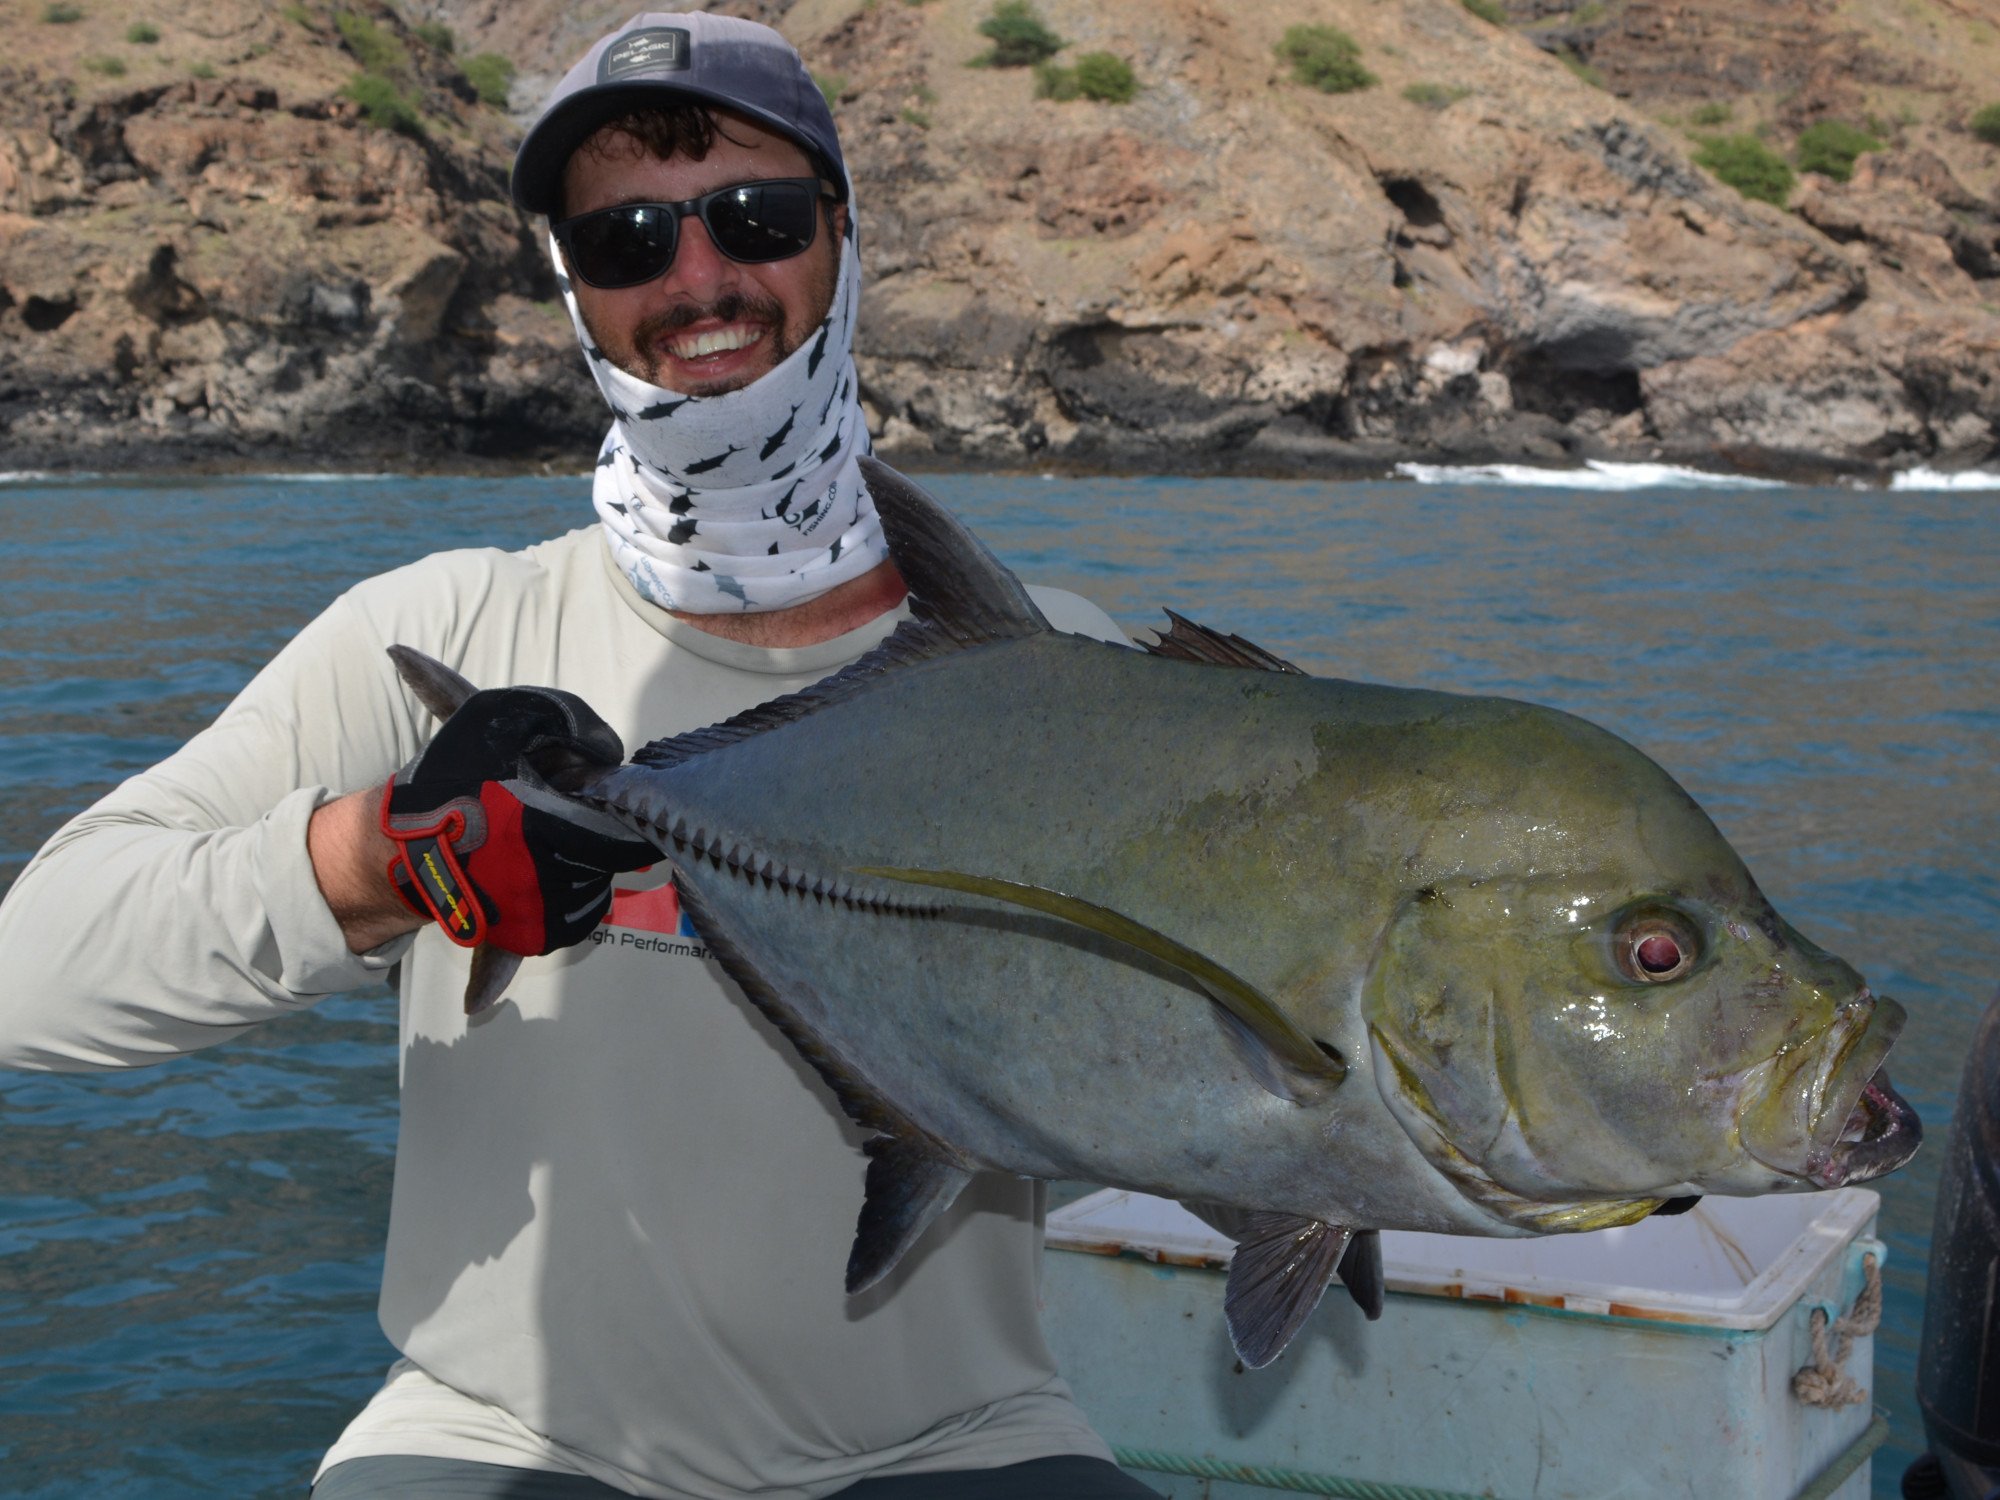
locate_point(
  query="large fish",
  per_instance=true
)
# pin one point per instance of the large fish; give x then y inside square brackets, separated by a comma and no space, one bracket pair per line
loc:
[1329,956]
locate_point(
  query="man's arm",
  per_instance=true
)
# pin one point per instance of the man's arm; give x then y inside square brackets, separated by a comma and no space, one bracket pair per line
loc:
[350,858]
[185,907]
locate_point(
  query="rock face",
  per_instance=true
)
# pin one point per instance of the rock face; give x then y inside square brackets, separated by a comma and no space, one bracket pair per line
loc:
[1483,256]
[237,267]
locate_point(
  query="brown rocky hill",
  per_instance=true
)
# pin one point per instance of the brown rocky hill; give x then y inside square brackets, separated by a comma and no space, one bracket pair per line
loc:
[210,252]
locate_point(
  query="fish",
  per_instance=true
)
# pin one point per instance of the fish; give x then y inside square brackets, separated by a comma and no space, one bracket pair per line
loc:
[1316,957]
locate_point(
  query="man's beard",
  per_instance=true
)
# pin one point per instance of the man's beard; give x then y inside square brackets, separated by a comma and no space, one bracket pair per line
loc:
[736,307]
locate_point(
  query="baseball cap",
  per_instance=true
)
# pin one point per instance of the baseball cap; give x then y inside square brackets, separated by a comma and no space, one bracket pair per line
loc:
[668,57]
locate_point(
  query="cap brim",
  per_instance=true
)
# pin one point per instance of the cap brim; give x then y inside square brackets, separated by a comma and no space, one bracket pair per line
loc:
[538,167]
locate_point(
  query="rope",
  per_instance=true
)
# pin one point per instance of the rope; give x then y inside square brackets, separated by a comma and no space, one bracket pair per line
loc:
[1858,1452]
[1831,1479]
[1825,1382]
[1276,1479]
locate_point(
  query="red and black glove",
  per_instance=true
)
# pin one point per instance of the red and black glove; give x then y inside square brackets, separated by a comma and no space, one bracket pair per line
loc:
[486,846]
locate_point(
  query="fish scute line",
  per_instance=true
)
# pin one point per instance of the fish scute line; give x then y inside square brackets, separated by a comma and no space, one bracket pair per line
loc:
[742,860]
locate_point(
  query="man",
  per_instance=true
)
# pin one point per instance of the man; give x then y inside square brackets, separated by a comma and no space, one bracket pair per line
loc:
[622,1205]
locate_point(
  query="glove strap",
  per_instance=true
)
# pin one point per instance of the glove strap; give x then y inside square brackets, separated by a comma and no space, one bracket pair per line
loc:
[426,864]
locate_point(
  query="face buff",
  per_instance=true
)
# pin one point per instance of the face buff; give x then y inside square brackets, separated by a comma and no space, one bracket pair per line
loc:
[751,500]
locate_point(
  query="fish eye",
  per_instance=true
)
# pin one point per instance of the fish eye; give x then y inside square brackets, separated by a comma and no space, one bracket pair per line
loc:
[1655,946]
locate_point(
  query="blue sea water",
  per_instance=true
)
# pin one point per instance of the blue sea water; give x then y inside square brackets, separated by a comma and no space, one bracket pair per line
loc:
[189,1254]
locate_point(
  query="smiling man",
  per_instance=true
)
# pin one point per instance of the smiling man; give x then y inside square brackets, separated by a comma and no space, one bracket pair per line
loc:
[622,1205]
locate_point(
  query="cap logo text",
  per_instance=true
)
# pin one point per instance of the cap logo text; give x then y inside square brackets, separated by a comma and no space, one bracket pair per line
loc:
[657,49]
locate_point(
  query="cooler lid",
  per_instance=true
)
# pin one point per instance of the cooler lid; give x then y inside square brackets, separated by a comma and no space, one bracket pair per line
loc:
[1728,1263]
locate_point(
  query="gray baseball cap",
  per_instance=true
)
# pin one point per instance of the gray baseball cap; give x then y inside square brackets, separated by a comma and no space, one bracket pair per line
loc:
[668,57]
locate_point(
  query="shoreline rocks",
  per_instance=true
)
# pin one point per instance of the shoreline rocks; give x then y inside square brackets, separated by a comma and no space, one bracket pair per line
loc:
[1233,273]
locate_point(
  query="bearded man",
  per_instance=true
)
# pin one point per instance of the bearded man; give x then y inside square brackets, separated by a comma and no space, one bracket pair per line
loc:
[622,1205]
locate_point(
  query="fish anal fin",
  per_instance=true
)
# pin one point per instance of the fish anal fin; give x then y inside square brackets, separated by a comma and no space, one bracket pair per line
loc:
[1280,1271]
[859,1100]
[912,1175]
[493,969]
[1283,1059]
[910,1183]
[437,687]
[1187,641]
[1361,1272]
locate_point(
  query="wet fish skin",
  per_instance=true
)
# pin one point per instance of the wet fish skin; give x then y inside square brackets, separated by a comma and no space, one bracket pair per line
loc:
[1439,892]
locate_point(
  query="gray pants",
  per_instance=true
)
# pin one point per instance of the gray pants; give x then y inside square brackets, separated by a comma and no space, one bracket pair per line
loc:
[1066,1478]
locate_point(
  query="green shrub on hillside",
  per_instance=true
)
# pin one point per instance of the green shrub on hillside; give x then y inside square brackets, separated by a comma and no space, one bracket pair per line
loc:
[375,49]
[1710,115]
[491,75]
[1488,10]
[385,105]
[1433,95]
[1325,57]
[1103,76]
[436,34]
[1568,58]
[831,85]
[57,14]
[202,69]
[1020,37]
[1054,81]
[110,67]
[1831,146]
[142,33]
[1986,124]
[1748,165]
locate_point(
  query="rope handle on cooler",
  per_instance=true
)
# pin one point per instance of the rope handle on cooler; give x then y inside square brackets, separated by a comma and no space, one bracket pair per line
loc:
[1825,1382]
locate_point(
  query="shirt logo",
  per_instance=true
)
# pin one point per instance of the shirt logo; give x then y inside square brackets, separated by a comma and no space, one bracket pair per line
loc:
[649,920]
[657,49]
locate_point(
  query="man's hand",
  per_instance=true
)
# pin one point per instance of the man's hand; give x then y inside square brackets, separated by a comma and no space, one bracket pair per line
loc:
[471,833]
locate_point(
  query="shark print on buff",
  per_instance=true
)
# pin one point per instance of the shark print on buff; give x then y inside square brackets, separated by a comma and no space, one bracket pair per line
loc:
[751,500]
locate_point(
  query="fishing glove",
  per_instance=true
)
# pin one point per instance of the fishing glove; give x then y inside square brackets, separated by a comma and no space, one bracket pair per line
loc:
[486,846]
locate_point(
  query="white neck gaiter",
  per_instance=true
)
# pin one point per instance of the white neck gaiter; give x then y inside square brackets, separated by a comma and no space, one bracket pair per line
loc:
[751,500]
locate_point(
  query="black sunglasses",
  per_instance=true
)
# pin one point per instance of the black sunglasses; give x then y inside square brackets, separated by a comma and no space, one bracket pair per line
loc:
[752,222]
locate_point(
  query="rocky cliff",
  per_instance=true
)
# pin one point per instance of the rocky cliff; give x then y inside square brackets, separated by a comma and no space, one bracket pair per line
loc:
[227,245]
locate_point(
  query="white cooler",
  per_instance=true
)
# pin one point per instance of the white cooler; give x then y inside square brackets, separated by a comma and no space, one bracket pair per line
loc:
[1653,1360]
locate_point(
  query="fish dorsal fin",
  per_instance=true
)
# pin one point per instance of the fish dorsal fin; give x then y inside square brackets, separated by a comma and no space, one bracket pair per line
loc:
[911,642]
[912,1175]
[1187,641]
[1280,1271]
[955,582]
[1283,1058]
[960,593]
[1361,1272]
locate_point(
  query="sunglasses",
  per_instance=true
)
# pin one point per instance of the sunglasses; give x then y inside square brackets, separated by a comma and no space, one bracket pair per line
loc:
[752,222]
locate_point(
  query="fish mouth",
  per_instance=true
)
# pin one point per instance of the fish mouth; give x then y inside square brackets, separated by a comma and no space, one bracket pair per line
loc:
[1881,1133]
[1827,1114]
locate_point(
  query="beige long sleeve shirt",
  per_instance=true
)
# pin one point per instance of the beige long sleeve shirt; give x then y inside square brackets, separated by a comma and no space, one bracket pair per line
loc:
[622,1205]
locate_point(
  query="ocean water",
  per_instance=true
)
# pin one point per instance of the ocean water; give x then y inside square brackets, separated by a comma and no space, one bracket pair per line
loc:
[188,1254]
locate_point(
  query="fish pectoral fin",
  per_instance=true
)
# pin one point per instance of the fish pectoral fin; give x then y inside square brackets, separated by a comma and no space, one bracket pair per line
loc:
[437,687]
[493,969]
[909,1185]
[1361,1272]
[1280,1271]
[1283,1059]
